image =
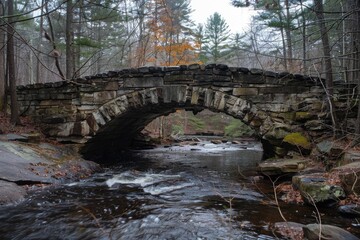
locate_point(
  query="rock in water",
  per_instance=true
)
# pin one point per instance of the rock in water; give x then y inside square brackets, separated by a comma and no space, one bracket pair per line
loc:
[329,232]
[11,192]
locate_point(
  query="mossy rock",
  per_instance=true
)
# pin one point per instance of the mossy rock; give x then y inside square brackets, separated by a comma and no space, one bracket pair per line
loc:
[303,116]
[315,188]
[298,140]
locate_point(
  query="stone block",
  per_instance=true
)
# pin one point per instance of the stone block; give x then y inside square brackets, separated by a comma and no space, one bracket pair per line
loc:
[245,91]
[209,98]
[112,86]
[98,118]
[174,94]
[143,82]
[104,96]
[195,95]
[282,166]
[81,129]
[65,129]
[219,101]
[176,79]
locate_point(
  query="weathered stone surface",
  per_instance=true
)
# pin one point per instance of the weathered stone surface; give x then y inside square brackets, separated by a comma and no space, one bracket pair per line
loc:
[297,140]
[351,210]
[37,163]
[349,175]
[316,189]
[246,91]
[260,98]
[282,166]
[11,193]
[313,231]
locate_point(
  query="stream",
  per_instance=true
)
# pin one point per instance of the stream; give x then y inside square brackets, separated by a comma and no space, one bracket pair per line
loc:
[206,191]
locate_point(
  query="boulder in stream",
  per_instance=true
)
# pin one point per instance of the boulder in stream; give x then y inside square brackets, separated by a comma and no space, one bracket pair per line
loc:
[329,232]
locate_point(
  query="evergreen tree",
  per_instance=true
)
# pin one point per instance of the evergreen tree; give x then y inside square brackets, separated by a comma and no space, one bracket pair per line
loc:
[216,39]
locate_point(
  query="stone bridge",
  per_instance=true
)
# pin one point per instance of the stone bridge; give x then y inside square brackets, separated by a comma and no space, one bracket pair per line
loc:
[108,110]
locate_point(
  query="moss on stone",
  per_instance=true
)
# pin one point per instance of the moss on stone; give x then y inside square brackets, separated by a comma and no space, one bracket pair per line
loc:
[297,139]
[303,116]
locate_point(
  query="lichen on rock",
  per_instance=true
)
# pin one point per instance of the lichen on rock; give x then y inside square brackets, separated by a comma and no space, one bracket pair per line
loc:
[297,139]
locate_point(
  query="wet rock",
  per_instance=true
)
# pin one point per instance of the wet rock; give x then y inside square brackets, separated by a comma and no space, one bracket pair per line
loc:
[282,166]
[349,175]
[351,210]
[14,137]
[32,137]
[315,188]
[290,230]
[22,163]
[216,141]
[313,231]
[10,193]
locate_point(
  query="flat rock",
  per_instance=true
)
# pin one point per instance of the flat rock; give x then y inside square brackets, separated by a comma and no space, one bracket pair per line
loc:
[282,166]
[24,163]
[312,232]
[315,188]
[18,164]
[13,137]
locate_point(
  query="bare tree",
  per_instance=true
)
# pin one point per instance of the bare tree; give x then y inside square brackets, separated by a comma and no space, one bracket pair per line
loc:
[319,11]
[70,60]
[2,61]
[15,118]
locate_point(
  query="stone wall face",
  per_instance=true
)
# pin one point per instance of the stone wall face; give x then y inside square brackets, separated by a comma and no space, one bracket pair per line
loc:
[120,103]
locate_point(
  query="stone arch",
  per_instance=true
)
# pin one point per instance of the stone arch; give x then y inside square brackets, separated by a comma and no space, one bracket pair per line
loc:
[116,123]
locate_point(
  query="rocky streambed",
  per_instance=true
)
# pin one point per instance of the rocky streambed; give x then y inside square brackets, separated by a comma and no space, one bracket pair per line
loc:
[26,165]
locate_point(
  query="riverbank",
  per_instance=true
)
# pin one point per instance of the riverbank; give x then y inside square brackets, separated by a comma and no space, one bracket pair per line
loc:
[26,166]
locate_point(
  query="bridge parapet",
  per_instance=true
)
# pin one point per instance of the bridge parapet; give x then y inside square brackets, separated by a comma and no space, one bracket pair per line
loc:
[275,104]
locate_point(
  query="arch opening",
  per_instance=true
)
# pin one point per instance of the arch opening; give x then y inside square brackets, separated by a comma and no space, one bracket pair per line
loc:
[118,135]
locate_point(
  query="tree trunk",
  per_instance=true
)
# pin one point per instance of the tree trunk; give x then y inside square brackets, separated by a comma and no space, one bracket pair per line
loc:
[355,50]
[70,69]
[304,48]
[288,36]
[41,33]
[55,53]
[319,11]
[14,119]
[2,62]
[283,42]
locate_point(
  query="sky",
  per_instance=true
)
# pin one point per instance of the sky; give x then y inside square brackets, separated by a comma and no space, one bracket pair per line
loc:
[238,19]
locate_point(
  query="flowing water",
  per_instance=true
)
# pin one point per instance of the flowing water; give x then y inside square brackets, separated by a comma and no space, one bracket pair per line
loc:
[189,192]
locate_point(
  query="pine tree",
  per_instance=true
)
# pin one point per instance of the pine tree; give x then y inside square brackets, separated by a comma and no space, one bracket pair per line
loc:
[216,36]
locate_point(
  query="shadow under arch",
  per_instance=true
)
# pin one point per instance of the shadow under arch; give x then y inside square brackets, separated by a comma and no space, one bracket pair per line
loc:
[116,123]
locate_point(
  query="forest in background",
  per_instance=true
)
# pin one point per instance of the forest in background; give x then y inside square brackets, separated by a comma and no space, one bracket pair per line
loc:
[45,41]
